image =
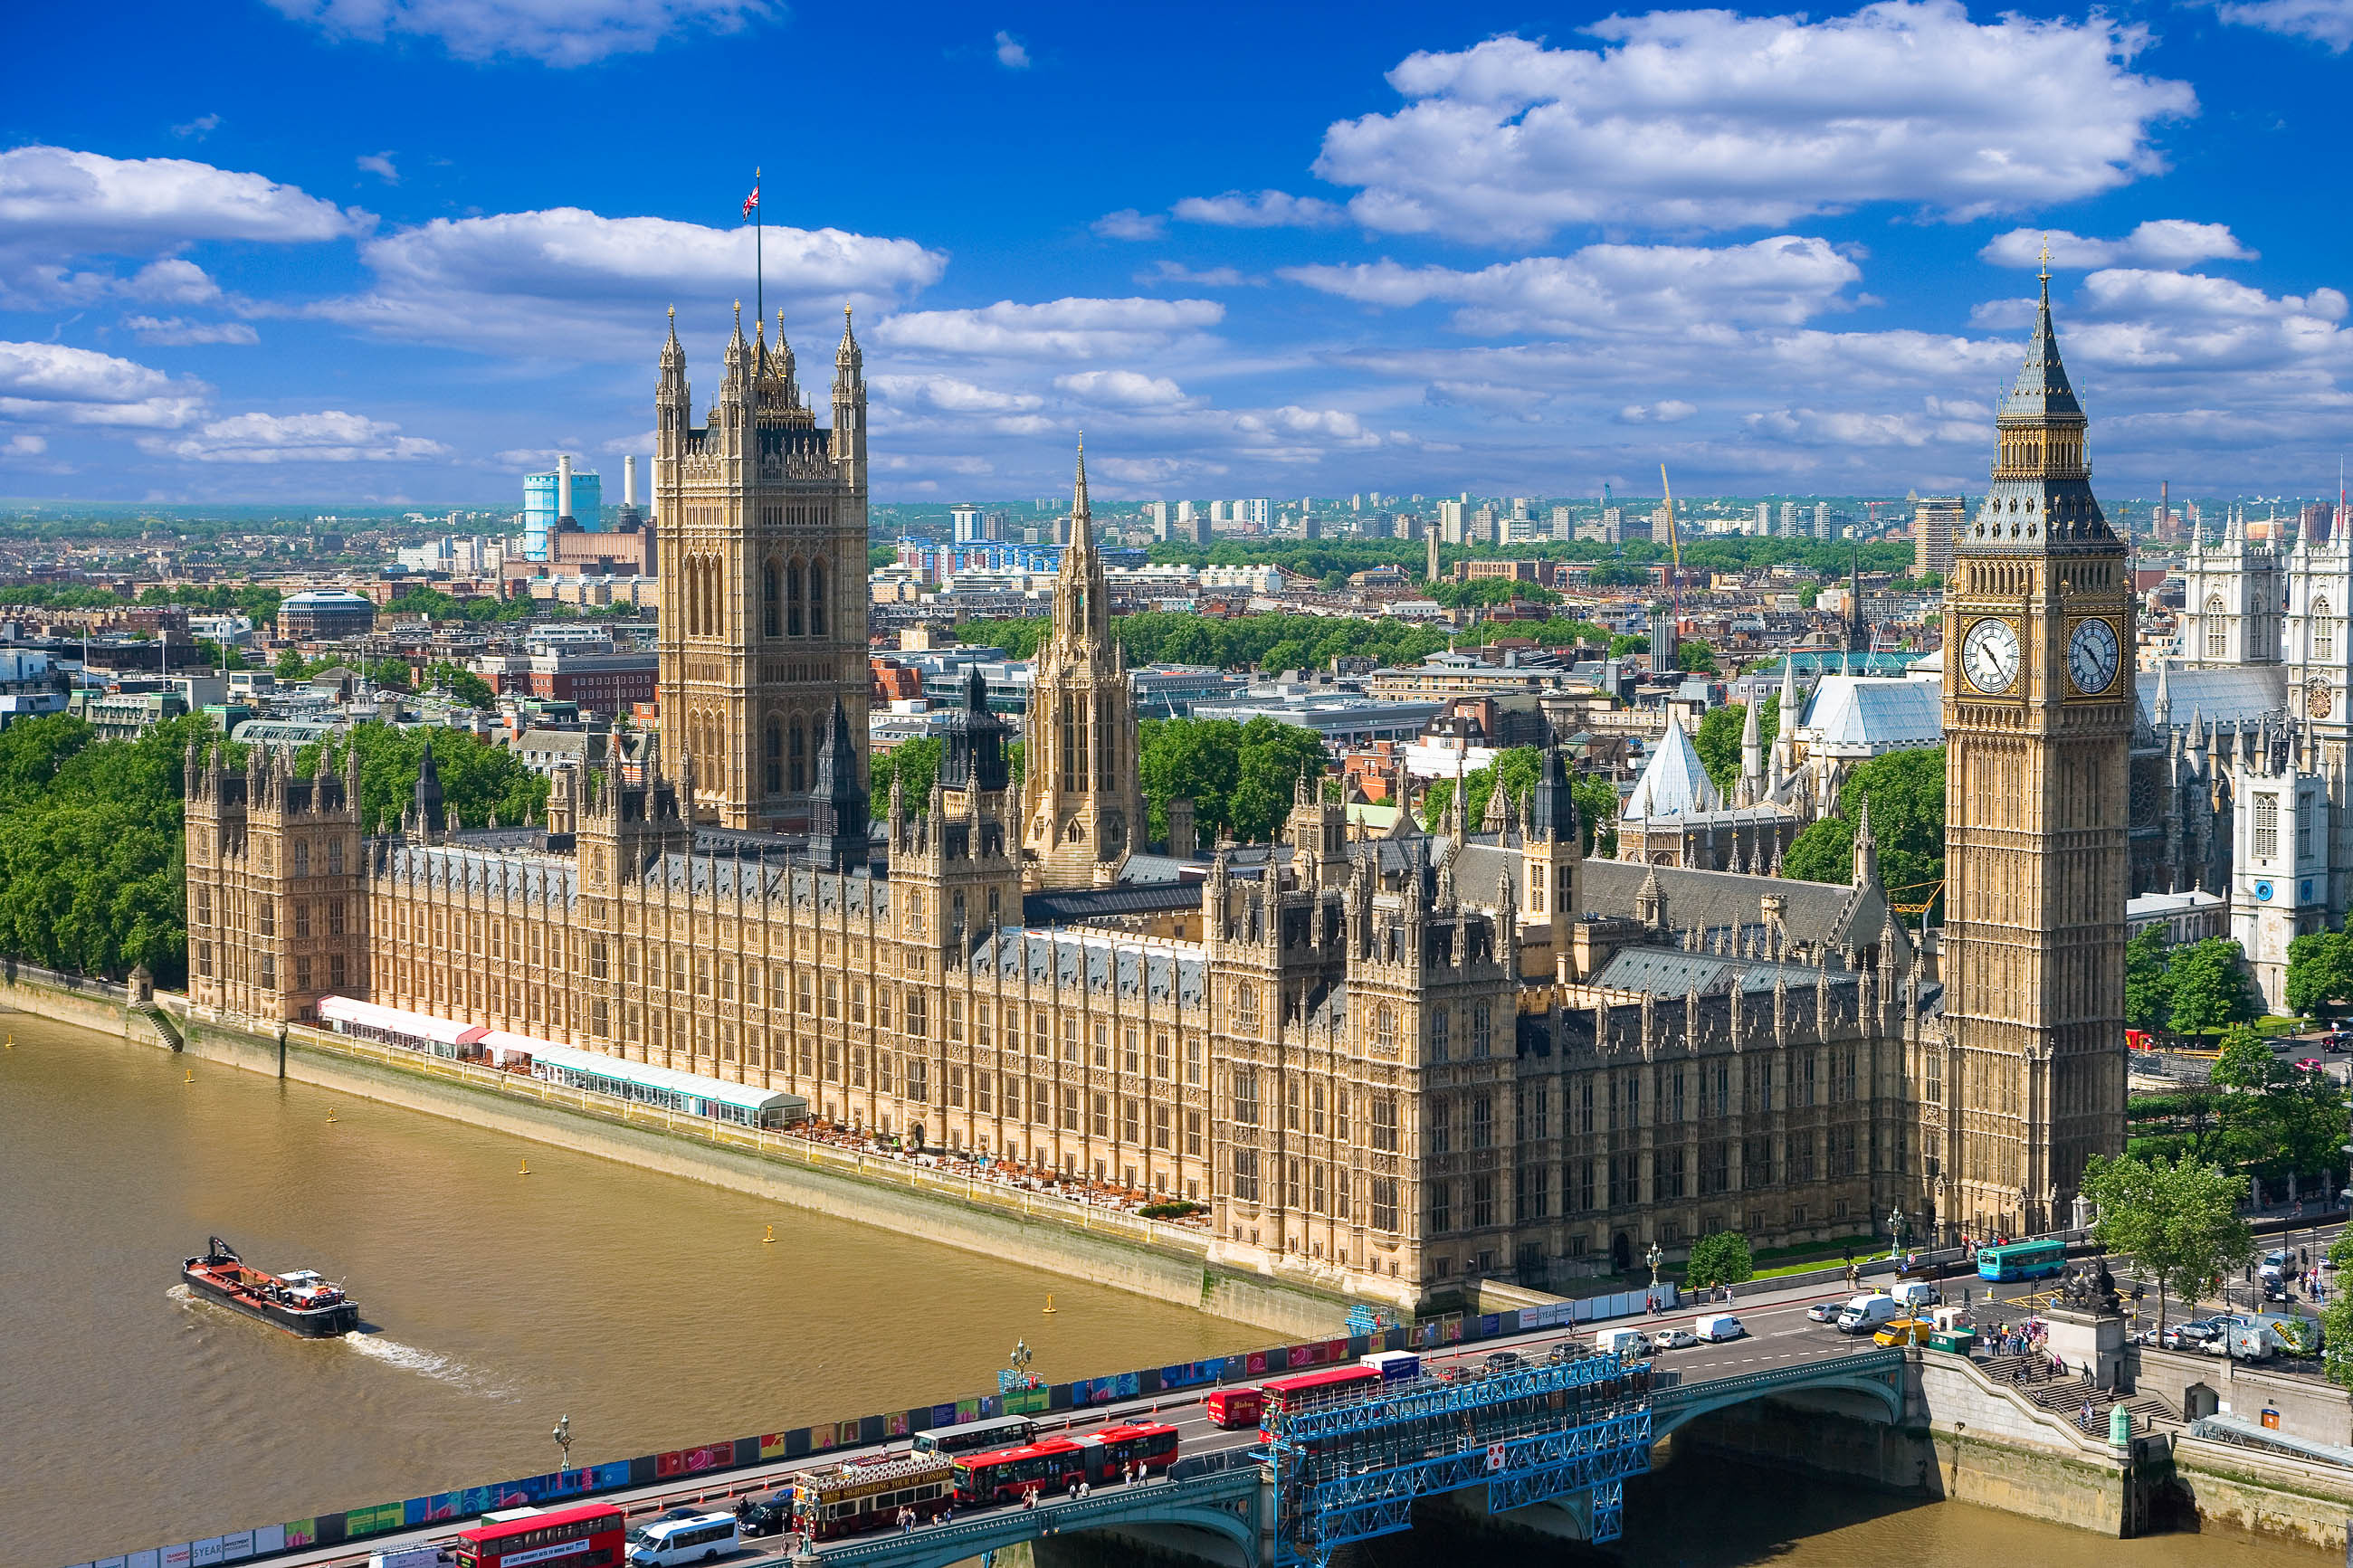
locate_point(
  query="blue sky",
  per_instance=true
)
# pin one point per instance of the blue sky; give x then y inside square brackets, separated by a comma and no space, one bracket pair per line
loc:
[349,250]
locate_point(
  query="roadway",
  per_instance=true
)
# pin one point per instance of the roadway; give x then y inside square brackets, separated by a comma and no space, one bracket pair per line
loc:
[1778,1334]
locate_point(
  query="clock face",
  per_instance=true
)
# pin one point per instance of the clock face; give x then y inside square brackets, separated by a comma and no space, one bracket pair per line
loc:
[2092,656]
[1989,657]
[2318,699]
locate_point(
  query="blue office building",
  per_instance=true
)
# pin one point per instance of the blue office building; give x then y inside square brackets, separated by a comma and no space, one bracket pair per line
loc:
[540,510]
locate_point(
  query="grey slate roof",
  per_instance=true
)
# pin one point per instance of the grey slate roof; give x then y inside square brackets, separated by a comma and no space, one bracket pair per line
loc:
[1672,971]
[1816,914]
[1156,971]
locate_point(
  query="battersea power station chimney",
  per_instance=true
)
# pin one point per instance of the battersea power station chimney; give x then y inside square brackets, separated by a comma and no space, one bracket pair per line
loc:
[564,488]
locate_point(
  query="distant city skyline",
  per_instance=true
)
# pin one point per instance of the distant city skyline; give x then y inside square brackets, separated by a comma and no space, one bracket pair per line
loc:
[312,249]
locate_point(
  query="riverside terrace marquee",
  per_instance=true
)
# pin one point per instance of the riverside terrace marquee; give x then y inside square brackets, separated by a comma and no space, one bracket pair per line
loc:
[665,1089]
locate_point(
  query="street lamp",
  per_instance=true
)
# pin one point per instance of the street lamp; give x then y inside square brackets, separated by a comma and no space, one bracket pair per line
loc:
[1895,1233]
[562,1435]
[1656,1253]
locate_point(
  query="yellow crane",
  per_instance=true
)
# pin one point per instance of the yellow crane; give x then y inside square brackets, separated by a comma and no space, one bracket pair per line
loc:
[1675,550]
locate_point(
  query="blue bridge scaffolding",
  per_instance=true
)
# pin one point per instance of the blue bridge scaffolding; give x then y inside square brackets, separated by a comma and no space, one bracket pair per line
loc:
[1345,1472]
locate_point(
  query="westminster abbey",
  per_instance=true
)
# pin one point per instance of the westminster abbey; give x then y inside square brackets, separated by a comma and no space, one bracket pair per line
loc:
[1386,1065]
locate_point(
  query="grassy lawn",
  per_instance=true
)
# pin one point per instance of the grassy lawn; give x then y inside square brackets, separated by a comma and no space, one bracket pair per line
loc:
[2272,1025]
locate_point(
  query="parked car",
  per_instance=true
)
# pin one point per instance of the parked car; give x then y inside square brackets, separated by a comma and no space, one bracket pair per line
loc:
[1672,1340]
[1825,1312]
[2191,1335]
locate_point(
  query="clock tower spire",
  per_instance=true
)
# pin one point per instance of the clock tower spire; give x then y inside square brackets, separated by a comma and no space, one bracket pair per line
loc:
[2038,722]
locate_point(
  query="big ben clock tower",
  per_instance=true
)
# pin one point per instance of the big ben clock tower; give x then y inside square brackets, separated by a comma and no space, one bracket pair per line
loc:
[2038,720]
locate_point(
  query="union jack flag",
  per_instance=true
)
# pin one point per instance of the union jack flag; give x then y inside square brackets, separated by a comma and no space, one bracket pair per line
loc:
[752,202]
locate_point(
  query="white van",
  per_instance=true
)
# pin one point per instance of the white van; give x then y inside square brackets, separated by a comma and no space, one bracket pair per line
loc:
[1914,1295]
[1622,1342]
[667,1541]
[1716,1326]
[411,1557]
[1865,1314]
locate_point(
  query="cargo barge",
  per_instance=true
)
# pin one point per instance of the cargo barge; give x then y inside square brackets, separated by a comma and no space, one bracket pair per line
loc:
[301,1303]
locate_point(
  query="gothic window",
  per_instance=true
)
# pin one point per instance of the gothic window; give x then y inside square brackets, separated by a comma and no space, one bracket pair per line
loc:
[1245,1021]
[2324,631]
[771,603]
[799,757]
[301,866]
[793,599]
[2215,635]
[817,597]
[776,756]
[1385,1030]
[2266,827]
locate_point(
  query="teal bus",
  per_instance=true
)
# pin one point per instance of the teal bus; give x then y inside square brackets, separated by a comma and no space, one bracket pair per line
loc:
[2022,1260]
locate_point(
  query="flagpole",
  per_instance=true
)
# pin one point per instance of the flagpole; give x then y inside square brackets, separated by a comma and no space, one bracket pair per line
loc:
[759,272]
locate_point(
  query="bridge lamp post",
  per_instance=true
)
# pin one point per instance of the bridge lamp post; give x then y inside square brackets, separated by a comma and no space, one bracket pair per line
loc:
[562,1435]
[1895,1222]
[1655,1254]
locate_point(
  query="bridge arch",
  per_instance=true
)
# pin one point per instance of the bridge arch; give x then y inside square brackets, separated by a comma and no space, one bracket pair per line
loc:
[1875,1377]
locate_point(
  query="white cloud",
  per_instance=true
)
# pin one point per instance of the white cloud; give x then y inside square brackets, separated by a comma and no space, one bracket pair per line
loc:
[1061,329]
[571,284]
[92,203]
[1129,223]
[333,436]
[173,331]
[1667,411]
[2328,22]
[1707,119]
[1615,288]
[1121,388]
[202,126]
[1176,272]
[25,446]
[173,281]
[1009,52]
[2160,242]
[950,394]
[51,383]
[551,32]
[641,444]
[380,164]
[1267,209]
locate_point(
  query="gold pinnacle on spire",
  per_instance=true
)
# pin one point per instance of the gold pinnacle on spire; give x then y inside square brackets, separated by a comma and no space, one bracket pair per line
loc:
[2046,256]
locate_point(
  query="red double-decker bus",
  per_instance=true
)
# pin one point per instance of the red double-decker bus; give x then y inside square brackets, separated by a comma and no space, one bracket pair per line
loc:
[1054,1464]
[1329,1387]
[586,1536]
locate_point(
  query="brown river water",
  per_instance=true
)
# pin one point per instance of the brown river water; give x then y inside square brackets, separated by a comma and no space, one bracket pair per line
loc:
[644,1307]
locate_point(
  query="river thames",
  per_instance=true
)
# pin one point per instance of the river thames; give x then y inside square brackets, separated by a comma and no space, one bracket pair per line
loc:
[647,1308]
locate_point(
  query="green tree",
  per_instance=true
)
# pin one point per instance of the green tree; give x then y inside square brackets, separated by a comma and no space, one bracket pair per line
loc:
[2179,1222]
[2149,980]
[291,665]
[460,683]
[1717,740]
[1695,656]
[1906,793]
[391,673]
[1597,813]
[1721,1258]
[2244,1061]
[476,777]
[2336,1317]
[914,764]
[2320,972]
[430,603]
[2211,989]
[1625,643]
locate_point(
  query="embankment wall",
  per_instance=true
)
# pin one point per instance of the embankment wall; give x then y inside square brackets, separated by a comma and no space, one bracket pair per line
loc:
[1044,1242]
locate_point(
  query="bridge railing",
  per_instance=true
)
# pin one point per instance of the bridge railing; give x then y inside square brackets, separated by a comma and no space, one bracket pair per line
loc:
[1107,1506]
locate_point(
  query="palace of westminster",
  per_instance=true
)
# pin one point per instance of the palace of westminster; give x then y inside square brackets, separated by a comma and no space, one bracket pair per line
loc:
[1385,1063]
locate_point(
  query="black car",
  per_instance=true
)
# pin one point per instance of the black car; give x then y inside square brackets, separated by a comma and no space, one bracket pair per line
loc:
[766,1515]
[1506,1360]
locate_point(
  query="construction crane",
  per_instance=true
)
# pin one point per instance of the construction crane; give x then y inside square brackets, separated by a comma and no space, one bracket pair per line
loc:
[1674,550]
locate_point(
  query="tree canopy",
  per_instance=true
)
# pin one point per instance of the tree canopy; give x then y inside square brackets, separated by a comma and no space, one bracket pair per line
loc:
[2149,980]
[476,777]
[2209,989]
[1720,1258]
[914,764]
[1907,793]
[2320,973]
[459,682]
[2178,1220]
[1239,776]
[93,879]
[1717,740]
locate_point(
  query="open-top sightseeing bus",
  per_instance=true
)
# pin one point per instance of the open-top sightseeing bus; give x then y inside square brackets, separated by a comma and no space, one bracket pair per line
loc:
[586,1536]
[842,1500]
